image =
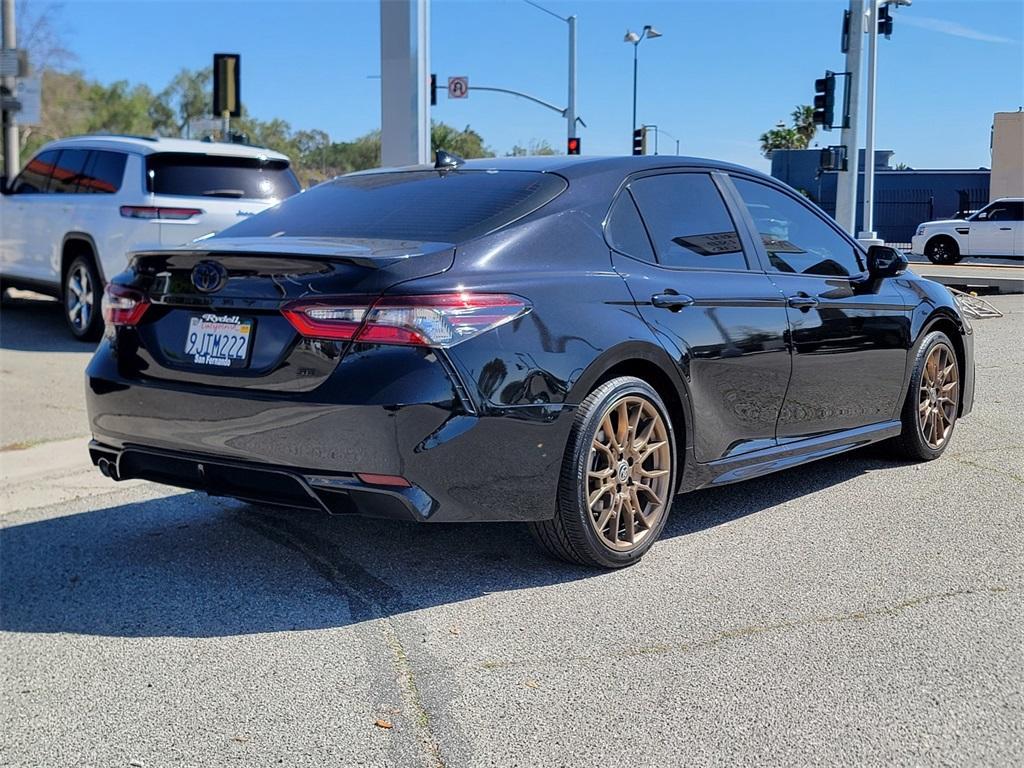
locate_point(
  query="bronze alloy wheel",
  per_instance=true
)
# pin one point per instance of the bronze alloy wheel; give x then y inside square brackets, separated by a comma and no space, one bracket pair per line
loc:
[628,473]
[939,396]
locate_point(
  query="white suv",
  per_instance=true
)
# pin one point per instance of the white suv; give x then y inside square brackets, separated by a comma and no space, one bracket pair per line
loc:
[995,230]
[70,218]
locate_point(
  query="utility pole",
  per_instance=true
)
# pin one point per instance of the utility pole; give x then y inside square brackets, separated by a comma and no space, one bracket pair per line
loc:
[12,150]
[846,181]
[405,82]
[868,223]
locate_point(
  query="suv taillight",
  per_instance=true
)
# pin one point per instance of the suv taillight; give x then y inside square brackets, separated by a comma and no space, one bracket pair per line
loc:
[437,320]
[123,306]
[153,212]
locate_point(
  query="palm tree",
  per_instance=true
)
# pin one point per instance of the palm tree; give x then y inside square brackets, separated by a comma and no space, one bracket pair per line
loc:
[803,124]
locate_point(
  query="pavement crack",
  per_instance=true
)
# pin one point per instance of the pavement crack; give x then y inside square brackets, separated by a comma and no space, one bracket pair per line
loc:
[759,629]
[369,599]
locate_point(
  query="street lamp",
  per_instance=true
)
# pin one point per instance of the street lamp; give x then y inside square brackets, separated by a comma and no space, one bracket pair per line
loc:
[632,37]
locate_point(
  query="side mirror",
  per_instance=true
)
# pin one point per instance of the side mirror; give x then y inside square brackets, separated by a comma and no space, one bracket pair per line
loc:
[884,261]
[981,216]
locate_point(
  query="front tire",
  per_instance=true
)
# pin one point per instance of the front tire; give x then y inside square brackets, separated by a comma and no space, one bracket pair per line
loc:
[942,250]
[933,400]
[618,478]
[82,291]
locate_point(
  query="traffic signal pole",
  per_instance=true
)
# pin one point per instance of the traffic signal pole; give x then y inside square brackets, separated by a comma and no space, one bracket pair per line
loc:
[846,181]
[570,110]
[868,223]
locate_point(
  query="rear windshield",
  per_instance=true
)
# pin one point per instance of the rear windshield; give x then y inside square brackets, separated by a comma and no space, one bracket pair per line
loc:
[218,176]
[411,205]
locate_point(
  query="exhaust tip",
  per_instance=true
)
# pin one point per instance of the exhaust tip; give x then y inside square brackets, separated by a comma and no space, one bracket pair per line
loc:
[108,468]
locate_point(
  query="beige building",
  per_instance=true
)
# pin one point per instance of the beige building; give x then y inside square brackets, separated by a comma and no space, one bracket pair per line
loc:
[1007,155]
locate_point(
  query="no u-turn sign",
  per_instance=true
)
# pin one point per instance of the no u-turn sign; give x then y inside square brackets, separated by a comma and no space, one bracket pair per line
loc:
[458,87]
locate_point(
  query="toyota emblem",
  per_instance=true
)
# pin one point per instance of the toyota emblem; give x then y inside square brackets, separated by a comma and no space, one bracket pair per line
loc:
[209,276]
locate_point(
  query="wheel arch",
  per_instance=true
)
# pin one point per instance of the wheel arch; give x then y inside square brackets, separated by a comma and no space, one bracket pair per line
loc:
[652,364]
[72,246]
[943,319]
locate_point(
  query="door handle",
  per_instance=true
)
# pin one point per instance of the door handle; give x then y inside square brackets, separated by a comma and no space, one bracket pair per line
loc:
[673,301]
[1005,229]
[802,301]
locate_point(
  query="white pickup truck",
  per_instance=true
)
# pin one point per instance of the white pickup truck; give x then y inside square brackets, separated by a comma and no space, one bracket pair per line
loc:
[995,230]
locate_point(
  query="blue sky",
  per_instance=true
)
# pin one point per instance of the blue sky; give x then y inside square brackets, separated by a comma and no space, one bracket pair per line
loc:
[724,71]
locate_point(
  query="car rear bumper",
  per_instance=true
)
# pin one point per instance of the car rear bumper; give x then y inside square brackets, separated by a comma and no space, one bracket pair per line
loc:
[306,448]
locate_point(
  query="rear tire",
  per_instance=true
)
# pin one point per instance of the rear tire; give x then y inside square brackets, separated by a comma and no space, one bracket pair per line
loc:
[82,292]
[942,250]
[933,399]
[618,478]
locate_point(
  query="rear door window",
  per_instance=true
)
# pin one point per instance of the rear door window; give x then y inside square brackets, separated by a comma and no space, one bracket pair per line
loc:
[103,173]
[194,175]
[626,231]
[35,176]
[688,221]
[410,205]
[68,170]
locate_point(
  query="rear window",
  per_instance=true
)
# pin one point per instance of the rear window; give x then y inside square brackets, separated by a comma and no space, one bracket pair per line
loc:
[412,205]
[219,176]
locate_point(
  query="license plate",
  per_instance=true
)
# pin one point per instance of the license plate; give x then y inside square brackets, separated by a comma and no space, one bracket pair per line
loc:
[221,340]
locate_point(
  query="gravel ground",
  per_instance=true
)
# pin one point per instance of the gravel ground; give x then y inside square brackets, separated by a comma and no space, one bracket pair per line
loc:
[856,610]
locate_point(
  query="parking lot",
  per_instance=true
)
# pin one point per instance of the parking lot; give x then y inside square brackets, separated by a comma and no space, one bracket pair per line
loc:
[854,610]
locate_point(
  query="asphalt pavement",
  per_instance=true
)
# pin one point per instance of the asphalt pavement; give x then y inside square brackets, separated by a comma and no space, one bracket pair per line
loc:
[854,611]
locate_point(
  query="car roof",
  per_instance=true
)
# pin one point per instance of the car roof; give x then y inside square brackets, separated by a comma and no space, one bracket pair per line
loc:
[583,165]
[149,145]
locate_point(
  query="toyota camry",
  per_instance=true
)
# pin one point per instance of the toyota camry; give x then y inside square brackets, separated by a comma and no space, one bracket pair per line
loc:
[565,342]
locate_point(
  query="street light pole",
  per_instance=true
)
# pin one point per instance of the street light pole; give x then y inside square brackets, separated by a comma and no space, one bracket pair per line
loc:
[636,45]
[635,39]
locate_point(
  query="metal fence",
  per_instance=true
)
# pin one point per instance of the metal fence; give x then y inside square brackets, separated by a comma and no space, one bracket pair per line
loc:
[899,211]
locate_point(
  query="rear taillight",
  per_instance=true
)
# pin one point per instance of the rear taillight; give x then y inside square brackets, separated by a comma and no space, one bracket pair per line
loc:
[438,320]
[154,212]
[123,306]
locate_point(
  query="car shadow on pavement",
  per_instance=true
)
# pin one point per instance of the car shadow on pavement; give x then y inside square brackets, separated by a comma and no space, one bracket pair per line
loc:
[37,325]
[192,566]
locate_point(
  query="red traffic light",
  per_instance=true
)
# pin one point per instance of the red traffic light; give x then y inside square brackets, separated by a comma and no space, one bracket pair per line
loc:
[573,146]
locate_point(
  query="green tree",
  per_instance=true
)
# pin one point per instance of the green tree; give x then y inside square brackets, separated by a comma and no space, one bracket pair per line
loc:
[535,147]
[803,124]
[466,143]
[187,96]
[799,135]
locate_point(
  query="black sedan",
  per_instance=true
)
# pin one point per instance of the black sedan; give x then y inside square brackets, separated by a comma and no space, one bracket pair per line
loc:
[567,342]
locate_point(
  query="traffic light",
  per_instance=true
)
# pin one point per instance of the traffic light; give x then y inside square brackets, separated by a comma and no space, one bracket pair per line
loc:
[433,90]
[885,21]
[825,100]
[572,147]
[640,141]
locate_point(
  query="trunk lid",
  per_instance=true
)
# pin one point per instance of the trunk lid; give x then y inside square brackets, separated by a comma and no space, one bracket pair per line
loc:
[257,277]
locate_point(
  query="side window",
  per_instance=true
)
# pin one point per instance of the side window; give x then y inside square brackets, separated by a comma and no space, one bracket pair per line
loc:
[68,170]
[626,231]
[796,238]
[35,176]
[1008,211]
[688,221]
[103,173]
